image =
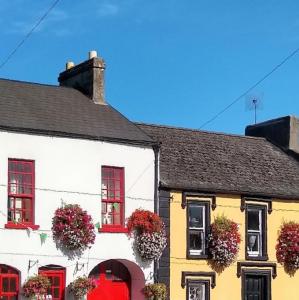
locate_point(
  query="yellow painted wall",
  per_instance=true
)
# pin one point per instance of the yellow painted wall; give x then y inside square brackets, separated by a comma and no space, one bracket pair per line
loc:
[228,285]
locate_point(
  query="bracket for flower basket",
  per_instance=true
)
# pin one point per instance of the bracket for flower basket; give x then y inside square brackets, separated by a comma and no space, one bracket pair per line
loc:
[211,275]
[32,263]
[241,265]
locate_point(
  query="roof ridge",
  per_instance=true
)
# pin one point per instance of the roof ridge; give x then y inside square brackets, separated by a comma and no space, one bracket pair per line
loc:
[34,83]
[202,131]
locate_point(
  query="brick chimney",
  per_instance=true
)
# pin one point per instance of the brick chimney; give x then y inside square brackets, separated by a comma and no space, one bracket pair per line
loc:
[283,132]
[87,77]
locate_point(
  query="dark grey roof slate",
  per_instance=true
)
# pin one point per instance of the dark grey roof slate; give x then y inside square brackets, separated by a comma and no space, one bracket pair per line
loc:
[216,162]
[62,111]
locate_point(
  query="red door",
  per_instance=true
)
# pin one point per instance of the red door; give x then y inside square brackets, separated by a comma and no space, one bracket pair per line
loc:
[113,282]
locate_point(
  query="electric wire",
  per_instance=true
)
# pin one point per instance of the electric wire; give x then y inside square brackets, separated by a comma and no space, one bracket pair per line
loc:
[251,88]
[19,45]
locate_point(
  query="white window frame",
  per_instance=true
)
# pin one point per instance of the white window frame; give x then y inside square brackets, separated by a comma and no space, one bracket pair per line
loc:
[258,233]
[202,229]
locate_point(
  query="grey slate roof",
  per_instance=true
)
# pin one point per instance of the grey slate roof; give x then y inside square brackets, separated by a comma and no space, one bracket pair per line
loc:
[216,162]
[62,111]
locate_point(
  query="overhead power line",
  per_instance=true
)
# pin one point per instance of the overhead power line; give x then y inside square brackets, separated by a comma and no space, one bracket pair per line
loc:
[250,88]
[11,54]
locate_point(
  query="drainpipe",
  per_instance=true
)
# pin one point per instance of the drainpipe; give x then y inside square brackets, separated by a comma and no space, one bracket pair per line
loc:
[156,149]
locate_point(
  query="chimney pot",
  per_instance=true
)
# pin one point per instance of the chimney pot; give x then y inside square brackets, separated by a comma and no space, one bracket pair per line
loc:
[92,54]
[69,65]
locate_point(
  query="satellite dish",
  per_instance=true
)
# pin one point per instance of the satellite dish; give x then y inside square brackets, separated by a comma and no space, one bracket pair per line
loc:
[254,103]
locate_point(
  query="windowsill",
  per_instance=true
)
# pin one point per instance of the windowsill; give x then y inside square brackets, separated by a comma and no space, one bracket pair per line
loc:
[113,229]
[21,226]
[257,258]
[197,256]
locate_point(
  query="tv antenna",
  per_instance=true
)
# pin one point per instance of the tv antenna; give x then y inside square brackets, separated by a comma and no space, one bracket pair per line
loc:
[254,102]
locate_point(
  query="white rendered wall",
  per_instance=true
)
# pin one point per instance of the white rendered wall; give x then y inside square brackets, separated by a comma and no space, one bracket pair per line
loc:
[73,166]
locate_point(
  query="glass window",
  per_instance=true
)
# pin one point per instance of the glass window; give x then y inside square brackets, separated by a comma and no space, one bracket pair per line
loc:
[197,224]
[57,280]
[20,191]
[197,291]
[112,197]
[9,283]
[254,231]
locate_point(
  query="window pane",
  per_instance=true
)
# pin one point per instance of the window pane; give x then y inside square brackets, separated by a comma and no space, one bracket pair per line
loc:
[197,292]
[56,281]
[13,285]
[56,293]
[5,284]
[253,242]
[253,220]
[196,240]
[196,216]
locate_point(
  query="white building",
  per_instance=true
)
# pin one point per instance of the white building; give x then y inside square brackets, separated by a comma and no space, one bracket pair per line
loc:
[61,146]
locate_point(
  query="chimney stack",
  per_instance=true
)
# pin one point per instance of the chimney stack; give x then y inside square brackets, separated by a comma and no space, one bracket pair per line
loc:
[87,77]
[283,132]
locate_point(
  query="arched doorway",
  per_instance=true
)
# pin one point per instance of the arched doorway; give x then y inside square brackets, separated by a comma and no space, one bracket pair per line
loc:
[113,281]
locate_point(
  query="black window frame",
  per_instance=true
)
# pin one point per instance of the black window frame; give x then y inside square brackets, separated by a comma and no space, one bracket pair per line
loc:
[207,223]
[256,272]
[264,251]
[205,282]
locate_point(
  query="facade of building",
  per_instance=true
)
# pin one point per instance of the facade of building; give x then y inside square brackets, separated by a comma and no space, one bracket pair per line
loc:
[65,145]
[244,178]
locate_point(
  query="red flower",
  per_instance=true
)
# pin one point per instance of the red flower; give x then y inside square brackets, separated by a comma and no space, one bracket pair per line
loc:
[144,221]
[72,227]
[287,248]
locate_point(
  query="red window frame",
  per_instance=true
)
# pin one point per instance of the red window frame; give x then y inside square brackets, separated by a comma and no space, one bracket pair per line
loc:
[9,273]
[21,194]
[55,273]
[113,199]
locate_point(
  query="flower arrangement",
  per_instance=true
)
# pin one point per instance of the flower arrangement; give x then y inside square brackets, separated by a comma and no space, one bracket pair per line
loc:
[72,228]
[81,286]
[149,232]
[151,245]
[144,221]
[36,286]
[155,291]
[224,240]
[287,248]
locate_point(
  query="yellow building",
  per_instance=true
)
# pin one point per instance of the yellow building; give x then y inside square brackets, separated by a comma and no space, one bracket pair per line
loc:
[247,179]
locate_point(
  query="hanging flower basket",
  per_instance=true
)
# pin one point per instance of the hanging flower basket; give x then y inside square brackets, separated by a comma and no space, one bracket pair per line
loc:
[151,245]
[36,287]
[287,248]
[223,242]
[148,230]
[155,291]
[73,228]
[81,286]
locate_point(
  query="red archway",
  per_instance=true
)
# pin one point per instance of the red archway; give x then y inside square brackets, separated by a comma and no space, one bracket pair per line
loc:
[117,280]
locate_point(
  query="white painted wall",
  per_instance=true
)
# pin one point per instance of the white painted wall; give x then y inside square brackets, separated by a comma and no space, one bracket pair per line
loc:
[73,166]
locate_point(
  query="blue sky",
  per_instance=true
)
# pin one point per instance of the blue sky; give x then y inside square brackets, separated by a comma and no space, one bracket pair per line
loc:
[175,62]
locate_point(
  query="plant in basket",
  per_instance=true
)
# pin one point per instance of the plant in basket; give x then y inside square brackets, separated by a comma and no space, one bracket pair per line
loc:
[150,236]
[72,228]
[287,248]
[155,291]
[224,241]
[36,287]
[81,286]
